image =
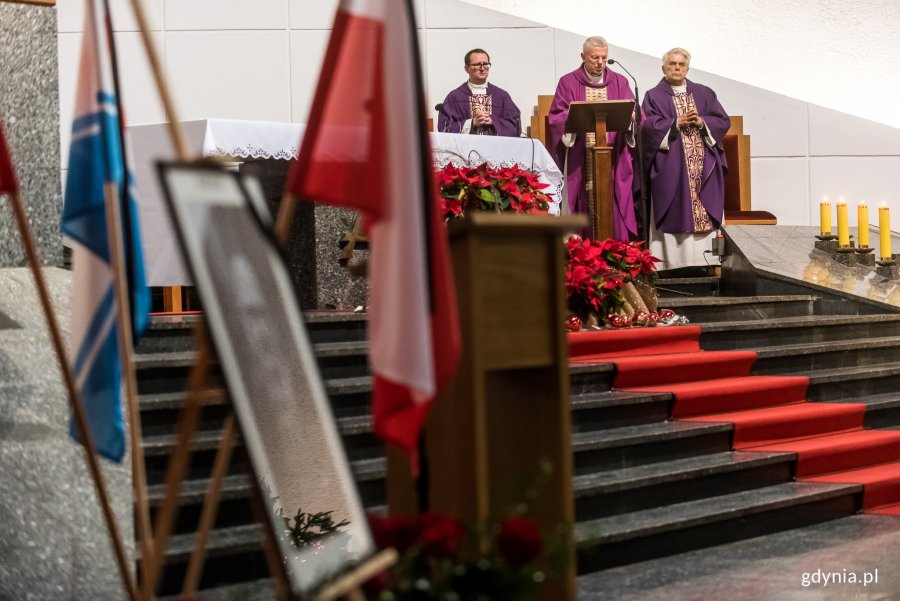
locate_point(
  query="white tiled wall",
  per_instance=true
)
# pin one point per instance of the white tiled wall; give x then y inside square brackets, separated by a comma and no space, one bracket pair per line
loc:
[230,74]
[261,60]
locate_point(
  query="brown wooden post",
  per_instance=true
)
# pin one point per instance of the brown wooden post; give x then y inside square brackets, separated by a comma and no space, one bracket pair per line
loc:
[600,117]
[603,198]
[506,413]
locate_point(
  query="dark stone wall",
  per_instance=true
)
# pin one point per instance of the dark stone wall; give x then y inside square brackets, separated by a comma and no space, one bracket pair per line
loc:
[29,108]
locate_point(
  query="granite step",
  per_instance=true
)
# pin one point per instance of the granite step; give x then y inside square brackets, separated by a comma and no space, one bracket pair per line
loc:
[194,491]
[730,308]
[852,384]
[604,450]
[626,538]
[335,326]
[687,286]
[629,446]
[350,397]
[234,508]
[810,356]
[618,491]
[743,334]
[233,555]
[592,378]
[615,408]
[169,333]
[343,359]
[164,372]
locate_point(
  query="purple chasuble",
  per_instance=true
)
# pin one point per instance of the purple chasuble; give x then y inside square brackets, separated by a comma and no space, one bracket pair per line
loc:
[668,170]
[457,110]
[570,88]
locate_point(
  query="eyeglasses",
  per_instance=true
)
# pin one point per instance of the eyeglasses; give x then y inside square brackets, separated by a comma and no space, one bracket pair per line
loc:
[481,65]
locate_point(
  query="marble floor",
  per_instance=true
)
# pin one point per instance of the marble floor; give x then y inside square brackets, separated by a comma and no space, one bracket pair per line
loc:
[786,566]
[788,252]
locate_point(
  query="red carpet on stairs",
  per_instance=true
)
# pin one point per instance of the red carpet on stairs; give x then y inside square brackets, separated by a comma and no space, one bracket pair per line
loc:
[769,413]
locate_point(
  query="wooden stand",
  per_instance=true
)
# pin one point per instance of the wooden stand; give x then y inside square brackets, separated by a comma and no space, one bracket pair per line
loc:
[600,118]
[507,411]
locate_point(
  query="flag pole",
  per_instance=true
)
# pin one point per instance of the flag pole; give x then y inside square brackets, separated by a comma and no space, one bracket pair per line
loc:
[200,370]
[197,379]
[121,283]
[126,357]
[174,125]
[171,294]
[87,439]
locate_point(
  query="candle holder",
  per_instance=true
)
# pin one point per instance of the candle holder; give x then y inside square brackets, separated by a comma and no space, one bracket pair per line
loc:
[845,255]
[827,243]
[888,269]
[865,256]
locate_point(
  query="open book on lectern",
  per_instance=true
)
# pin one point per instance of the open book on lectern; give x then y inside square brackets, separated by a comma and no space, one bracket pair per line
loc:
[285,419]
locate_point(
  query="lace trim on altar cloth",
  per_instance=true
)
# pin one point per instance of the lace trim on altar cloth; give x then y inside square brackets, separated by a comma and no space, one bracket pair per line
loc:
[442,158]
[255,152]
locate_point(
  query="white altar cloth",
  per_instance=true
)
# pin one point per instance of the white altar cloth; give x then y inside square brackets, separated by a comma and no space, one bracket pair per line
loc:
[272,140]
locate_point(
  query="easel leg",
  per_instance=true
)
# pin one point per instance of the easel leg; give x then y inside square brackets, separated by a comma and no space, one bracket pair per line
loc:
[210,506]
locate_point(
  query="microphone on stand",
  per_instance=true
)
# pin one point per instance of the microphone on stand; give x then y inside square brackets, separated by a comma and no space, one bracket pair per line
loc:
[439,107]
[645,206]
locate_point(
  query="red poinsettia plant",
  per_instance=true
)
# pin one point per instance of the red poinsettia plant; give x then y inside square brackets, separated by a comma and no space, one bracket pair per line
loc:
[598,271]
[440,559]
[486,188]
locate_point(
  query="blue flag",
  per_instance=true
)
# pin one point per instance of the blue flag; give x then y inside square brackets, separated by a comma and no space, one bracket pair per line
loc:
[97,166]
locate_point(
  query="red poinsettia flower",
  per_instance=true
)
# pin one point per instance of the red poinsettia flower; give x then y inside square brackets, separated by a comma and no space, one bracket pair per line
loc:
[519,540]
[399,533]
[440,535]
[488,188]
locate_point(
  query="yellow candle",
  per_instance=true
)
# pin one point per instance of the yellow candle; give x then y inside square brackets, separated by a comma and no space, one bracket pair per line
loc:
[825,216]
[843,224]
[884,230]
[862,225]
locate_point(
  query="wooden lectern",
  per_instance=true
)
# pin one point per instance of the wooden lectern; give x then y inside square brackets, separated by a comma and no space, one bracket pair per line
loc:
[600,117]
[507,410]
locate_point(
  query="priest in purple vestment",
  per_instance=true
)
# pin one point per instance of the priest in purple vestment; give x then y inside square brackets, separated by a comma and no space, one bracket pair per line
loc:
[682,139]
[478,107]
[593,81]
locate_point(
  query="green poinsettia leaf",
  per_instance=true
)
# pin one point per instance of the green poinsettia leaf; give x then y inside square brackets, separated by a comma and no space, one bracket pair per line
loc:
[486,195]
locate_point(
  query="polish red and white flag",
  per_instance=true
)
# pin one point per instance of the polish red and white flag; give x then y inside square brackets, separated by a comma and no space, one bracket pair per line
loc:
[366,147]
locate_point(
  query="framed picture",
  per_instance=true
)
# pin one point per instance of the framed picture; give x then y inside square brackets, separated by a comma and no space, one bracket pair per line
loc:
[286,422]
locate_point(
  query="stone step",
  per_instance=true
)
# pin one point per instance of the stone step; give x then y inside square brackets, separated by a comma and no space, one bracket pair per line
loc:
[810,356]
[175,332]
[168,372]
[234,508]
[626,538]
[233,555]
[882,410]
[852,384]
[335,326]
[614,408]
[628,446]
[688,286]
[194,491]
[169,333]
[743,334]
[618,491]
[731,308]
[345,359]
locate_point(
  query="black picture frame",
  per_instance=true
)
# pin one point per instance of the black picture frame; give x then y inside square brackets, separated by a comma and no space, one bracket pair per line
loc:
[254,319]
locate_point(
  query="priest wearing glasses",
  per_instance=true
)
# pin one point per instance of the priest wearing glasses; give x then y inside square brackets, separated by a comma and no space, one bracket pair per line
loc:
[478,107]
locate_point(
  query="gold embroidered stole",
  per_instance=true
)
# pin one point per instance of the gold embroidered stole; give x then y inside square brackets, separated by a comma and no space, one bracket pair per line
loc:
[692,141]
[482,103]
